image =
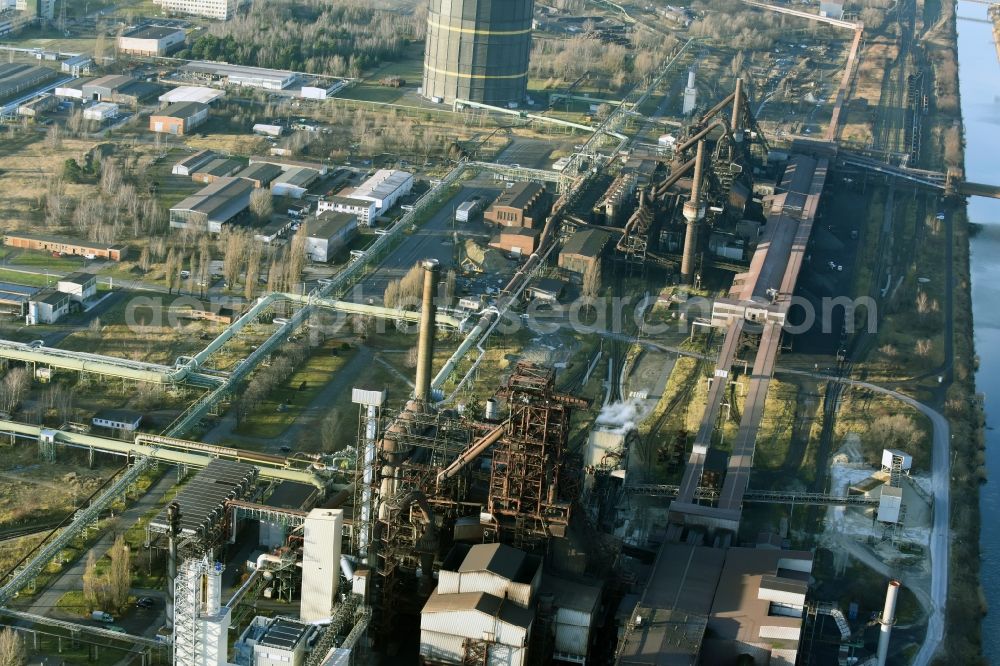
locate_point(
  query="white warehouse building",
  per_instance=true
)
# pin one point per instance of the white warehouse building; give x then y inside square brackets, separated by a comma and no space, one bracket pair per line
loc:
[217,9]
[363,209]
[101,111]
[241,75]
[151,40]
[484,593]
[385,188]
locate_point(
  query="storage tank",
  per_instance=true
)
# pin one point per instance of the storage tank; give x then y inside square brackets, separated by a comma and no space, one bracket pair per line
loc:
[492,410]
[478,50]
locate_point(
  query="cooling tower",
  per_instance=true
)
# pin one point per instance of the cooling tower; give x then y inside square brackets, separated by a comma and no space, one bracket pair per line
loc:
[478,50]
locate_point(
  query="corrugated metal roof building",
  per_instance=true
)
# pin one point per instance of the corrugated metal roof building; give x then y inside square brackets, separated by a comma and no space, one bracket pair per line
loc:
[484,600]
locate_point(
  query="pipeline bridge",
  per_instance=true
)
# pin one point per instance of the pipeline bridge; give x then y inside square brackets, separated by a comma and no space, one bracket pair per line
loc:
[172,450]
[760,496]
[950,184]
[186,370]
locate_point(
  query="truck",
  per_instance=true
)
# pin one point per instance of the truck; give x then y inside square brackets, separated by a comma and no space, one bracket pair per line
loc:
[467,210]
[101,616]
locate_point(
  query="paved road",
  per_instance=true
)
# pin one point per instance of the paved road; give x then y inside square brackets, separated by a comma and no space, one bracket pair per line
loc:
[940,532]
[72,578]
[529,153]
[433,240]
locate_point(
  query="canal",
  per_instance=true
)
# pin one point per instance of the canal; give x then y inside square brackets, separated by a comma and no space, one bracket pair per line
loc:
[979,77]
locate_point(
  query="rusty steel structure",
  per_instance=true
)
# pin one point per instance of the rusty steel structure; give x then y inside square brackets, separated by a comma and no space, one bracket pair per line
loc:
[719,148]
[529,500]
[527,493]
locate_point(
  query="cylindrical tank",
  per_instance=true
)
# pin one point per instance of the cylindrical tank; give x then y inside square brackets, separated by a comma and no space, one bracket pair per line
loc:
[690,78]
[492,410]
[478,50]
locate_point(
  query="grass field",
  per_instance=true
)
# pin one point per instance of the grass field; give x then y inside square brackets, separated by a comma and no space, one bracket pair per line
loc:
[285,403]
[29,279]
[141,330]
[410,67]
[372,92]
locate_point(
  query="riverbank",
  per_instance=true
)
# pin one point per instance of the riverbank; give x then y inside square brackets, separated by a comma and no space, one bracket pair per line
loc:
[994,13]
[966,598]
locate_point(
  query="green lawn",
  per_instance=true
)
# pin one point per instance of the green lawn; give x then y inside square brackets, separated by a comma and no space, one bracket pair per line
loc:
[410,67]
[366,92]
[267,421]
[28,279]
[36,259]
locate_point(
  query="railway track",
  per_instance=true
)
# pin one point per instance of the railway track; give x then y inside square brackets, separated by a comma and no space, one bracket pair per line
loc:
[27,530]
[685,392]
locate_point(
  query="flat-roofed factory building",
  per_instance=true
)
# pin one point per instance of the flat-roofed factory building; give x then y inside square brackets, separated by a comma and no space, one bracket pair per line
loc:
[239,75]
[151,40]
[179,118]
[213,206]
[47,243]
[328,233]
[16,78]
[525,204]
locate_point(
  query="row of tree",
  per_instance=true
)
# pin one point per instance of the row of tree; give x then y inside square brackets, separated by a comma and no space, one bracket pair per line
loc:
[109,590]
[567,59]
[342,39]
[269,377]
[408,290]
[120,209]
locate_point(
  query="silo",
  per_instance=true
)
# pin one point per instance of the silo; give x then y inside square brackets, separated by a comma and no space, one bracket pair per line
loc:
[478,50]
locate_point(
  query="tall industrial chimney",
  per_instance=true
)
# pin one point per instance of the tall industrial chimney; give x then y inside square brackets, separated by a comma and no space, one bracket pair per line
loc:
[734,127]
[887,620]
[173,530]
[693,212]
[425,344]
[690,95]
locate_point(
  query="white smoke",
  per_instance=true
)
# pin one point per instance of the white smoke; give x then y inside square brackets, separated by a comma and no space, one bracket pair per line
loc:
[624,415]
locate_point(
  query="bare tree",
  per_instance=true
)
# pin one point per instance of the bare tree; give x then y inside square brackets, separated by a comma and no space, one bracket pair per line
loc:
[923,303]
[448,287]
[192,273]
[736,66]
[233,254]
[328,431]
[253,269]
[261,203]
[172,268]
[895,431]
[100,44]
[93,586]
[119,573]
[204,259]
[53,138]
[361,325]
[12,649]
[144,260]
[391,296]
[13,387]
[275,275]
[296,257]
[592,280]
